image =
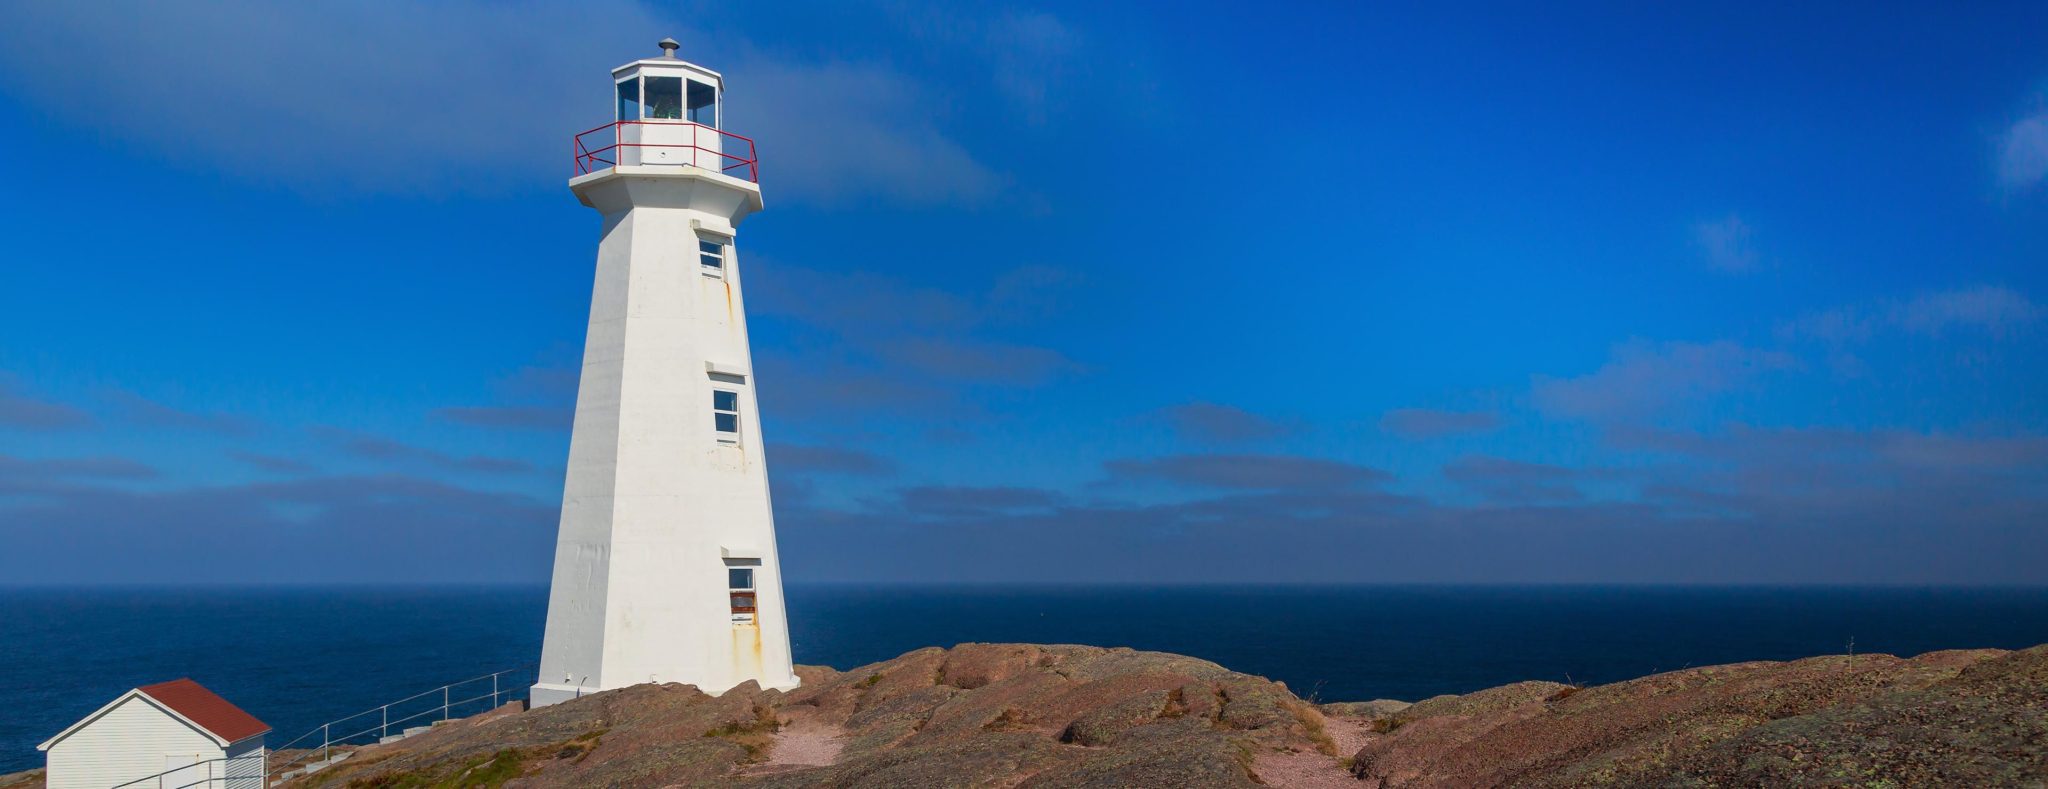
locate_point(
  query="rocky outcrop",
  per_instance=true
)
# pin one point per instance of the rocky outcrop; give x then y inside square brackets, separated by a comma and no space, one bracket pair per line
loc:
[1014,715]
[1975,718]
[974,715]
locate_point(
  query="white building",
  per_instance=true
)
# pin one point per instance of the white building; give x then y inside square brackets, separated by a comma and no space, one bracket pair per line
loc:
[665,564]
[171,734]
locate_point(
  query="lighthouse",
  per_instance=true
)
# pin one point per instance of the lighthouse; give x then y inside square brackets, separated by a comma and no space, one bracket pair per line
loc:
[665,562]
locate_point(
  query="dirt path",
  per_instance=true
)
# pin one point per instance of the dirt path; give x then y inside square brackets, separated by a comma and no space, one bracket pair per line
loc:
[1350,734]
[803,743]
[1312,770]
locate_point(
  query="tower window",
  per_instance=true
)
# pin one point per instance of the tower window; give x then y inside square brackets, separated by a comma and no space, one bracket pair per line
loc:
[629,100]
[703,104]
[711,255]
[740,588]
[665,97]
[725,415]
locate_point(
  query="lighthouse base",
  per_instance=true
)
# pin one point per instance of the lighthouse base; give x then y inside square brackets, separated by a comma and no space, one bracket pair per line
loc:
[545,693]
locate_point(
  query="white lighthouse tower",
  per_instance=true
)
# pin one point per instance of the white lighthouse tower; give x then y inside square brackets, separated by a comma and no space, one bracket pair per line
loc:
[665,566]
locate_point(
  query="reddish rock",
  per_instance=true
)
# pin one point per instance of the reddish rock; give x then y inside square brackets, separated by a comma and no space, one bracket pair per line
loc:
[1073,716]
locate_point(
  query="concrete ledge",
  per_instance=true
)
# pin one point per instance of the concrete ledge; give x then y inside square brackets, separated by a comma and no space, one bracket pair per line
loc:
[545,693]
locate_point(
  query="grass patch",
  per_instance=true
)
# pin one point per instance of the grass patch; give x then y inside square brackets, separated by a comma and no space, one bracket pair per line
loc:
[1311,719]
[1012,719]
[1176,704]
[754,735]
[485,772]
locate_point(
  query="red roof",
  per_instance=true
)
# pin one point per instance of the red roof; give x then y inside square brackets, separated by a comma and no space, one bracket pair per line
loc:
[199,705]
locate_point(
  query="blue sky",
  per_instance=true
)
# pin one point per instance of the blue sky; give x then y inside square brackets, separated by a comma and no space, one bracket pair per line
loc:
[1181,293]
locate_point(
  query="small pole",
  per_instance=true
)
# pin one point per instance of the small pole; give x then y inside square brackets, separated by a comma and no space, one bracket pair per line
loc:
[444,702]
[323,741]
[494,691]
[384,729]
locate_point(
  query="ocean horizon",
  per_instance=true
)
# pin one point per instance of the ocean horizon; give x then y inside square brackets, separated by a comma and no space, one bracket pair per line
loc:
[302,655]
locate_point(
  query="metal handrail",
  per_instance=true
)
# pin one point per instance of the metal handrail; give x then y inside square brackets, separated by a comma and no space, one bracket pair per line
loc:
[587,159]
[210,777]
[498,695]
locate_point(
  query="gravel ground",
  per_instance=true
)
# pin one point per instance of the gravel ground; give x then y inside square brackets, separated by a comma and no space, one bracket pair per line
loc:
[1314,770]
[806,743]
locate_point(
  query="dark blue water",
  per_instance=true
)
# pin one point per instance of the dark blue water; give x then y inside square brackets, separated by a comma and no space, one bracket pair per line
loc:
[297,658]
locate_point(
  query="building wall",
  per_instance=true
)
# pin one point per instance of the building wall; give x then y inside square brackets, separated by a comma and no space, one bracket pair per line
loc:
[245,765]
[653,501]
[130,741]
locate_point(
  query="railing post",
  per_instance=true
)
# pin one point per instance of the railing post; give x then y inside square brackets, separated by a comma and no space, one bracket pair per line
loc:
[444,702]
[494,691]
[323,741]
[384,729]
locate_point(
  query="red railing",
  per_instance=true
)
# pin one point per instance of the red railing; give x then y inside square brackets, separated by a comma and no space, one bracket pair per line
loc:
[734,155]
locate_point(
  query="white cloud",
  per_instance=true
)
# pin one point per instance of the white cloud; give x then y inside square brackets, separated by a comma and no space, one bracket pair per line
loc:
[1726,244]
[1641,379]
[465,96]
[1989,309]
[842,132]
[1030,55]
[2023,153]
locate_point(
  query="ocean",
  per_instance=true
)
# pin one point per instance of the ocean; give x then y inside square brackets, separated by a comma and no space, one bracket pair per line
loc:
[299,657]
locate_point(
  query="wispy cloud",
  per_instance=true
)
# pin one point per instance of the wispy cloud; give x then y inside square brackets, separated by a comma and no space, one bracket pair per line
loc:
[556,418]
[1644,379]
[805,459]
[1998,311]
[983,362]
[1726,244]
[144,412]
[2023,153]
[1504,480]
[948,501]
[1247,472]
[880,141]
[401,106]
[883,342]
[271,463]
[865,303]
[1993,310]
[319,530]
[1421,423]
[1743,505]
[18,409]
[16,470]
[1211,423]
[387,451]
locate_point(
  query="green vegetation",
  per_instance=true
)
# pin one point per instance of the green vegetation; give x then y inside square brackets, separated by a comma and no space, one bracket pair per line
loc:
[483,772]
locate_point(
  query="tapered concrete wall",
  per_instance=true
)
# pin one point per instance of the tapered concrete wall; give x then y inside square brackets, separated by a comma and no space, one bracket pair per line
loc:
[656,507]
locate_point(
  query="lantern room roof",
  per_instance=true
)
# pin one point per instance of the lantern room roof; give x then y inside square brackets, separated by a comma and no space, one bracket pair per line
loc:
[668,63]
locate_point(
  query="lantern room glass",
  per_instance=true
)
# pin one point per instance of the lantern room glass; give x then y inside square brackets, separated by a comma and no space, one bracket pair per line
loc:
[629,100]
[703,104]
[664,98]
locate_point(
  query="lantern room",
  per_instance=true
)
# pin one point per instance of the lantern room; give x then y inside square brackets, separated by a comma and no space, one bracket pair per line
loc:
[667,89]
[666,111]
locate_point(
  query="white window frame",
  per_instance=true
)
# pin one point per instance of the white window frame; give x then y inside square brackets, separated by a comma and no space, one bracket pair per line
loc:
[753,591]
[738,426]
[724,255]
